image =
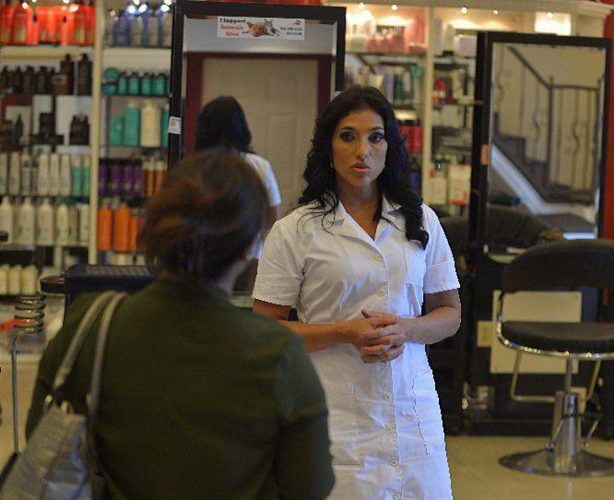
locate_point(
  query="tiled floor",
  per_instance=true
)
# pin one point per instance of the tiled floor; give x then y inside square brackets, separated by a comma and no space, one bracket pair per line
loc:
[476,473]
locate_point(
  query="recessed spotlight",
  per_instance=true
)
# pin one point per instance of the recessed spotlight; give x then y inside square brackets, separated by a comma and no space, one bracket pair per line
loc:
[496,12]
[395,6]
[361,5]
[464,10]
[549,15]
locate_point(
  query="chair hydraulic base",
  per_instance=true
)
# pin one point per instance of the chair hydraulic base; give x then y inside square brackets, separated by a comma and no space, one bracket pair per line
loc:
[565,454]
[584,464]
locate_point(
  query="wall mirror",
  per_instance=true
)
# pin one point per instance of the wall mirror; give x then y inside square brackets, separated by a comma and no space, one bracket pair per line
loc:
[539,141]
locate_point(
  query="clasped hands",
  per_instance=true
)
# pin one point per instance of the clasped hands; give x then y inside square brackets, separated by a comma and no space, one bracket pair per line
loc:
[380,336]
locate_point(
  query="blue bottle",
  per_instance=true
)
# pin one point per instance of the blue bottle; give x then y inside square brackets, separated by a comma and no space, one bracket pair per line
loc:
[132,124]
[121,30]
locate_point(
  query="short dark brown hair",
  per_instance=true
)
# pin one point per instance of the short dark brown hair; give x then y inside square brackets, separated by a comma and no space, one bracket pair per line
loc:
[210,209]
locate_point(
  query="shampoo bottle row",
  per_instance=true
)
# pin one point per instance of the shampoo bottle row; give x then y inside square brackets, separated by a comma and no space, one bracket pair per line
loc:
[44,175]
[18,280]
[45,224]
[145,127]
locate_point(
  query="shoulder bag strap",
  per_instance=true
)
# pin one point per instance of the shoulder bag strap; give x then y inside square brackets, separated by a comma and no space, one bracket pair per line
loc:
[96,475]
[77,341]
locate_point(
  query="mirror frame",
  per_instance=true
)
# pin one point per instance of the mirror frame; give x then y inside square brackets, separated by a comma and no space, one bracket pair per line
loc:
[480,153]
[195,8]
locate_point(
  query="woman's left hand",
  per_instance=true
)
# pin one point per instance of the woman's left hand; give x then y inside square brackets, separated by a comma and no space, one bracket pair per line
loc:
[387,343]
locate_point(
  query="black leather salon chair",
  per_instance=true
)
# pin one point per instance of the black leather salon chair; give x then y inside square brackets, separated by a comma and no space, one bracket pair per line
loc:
[565,265]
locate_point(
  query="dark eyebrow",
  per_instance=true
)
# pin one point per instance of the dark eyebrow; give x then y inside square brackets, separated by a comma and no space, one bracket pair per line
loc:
[371,130]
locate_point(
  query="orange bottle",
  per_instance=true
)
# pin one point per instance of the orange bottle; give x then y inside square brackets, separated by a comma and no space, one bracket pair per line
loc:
[135,227]
[90,12]
[121,241]
[22,24]
[6,22]
[80,23]
[67,28]
[105,228]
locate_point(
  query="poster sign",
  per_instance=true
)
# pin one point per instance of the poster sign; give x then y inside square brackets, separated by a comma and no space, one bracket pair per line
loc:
[260,27]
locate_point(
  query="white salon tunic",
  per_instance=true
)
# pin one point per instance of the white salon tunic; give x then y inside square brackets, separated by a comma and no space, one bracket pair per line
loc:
[384,419]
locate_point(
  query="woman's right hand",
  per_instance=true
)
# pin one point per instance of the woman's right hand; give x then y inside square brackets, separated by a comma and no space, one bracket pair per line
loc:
[360,332]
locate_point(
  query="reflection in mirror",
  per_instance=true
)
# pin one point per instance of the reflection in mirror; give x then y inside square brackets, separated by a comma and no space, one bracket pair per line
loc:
[546,131]
[281,84]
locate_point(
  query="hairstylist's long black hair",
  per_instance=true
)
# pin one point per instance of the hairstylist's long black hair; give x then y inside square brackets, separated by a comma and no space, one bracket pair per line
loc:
[393,182]
[222,122]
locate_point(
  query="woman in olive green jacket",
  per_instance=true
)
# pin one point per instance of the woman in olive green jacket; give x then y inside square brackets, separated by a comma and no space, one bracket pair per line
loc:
[200,399]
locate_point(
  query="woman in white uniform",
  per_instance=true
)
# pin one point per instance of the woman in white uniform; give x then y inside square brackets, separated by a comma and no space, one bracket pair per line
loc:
[357,259]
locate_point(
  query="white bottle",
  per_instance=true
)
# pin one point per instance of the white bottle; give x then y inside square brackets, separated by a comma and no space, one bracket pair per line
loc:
[26,174]
[136,31]
[15,280]
[15,174]
[73,225]
[167,29]
[45,224]
[84,223]
[150,125]
[54,175]
[4,173]
[4,279]
[6,218]
[27,222]
[61,225]
[29,278]
[65,175]
[153,29]
[42,182]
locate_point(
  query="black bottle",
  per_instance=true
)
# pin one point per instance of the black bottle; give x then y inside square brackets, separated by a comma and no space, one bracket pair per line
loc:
[17,81]
[4,80]
[42,81]
[67,67]
[28,81]
[17,132]
[84,76]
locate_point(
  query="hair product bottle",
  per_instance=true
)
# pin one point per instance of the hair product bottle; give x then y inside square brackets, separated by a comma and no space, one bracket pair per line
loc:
[4,173]
[61,225]
[150,125]
[84,223]
[132,124]
[27,222]
[76,176]
[15,174]
[105,227]
[45,224]
[65,175]
[121,240]
[54,174]
[42,175]
[15,280]
[26,173]
[73,225]
[86,175]
[7,218]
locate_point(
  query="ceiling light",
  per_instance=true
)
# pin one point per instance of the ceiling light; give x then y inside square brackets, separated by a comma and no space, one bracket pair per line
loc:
[496,12]
[464,10]
[549,15]
[361,5]
[394,6]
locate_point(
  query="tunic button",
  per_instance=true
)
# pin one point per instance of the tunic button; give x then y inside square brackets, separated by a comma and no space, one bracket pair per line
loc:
[378,258]
[396,496]
[387,397]
[381,293]
[394,463]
